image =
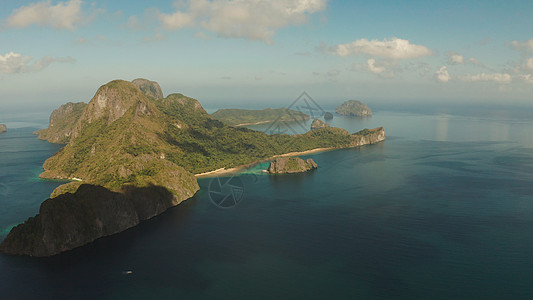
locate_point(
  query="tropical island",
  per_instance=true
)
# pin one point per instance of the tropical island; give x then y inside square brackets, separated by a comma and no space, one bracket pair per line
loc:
[3,128]
[244,117]
[129,157]
[354,108]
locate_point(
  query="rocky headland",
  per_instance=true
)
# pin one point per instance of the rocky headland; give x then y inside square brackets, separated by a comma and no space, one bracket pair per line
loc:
[318,124]
[3,128]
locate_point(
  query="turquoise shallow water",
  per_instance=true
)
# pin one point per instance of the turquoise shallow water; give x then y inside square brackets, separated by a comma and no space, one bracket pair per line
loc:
[441,210]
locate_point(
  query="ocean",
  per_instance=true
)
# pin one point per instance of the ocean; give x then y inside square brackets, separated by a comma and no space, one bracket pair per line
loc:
[443,209]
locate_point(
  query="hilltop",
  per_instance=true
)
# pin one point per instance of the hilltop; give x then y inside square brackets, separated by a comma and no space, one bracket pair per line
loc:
[242,117]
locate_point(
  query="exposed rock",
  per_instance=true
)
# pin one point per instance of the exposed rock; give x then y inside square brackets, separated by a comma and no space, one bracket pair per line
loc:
[149,88]
[317,124]
[62,123]
[286,165]
[328,116]
[354,108]
[3,128]
[367,137]
[72,220]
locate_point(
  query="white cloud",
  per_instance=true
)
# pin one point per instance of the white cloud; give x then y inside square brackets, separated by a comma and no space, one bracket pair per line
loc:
[63,15]
[442,75]
[249,19]
[372,67]
[527,78]
[394,48]
[455,58]
[526,45]
[488,77]
[12,63]
[529,64]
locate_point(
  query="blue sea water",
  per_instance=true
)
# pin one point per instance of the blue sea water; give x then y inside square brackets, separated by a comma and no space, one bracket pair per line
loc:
[443,209]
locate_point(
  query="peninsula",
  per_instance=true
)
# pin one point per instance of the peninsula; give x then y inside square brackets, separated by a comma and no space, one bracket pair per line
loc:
[354,108]
[125,145]
[243,117]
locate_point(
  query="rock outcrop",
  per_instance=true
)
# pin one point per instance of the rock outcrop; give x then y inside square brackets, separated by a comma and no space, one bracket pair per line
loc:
[149,88]
[62,122]
[317,124]
[328,116]
[289,165]
[3,128]
[72,220]
[354,108]
[368,137]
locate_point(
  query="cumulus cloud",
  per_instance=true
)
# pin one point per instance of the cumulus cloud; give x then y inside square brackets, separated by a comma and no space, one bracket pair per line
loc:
[249,19]
[455,58]
[527,78]
[488,77]
[525,45]
[529,64]
[63,15]
[442,75]
[394,48]
[12,63]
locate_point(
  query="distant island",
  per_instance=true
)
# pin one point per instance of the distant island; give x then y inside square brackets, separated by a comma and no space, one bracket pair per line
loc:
[328,116]
[135,156]
[243,117]
[289,165]
[354,108]
[3,128]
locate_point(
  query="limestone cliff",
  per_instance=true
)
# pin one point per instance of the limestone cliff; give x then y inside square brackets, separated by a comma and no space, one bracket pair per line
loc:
[62,122]
[72,220]
[288,165]
[354,108]
[367,137]
[3,128]
[149,88]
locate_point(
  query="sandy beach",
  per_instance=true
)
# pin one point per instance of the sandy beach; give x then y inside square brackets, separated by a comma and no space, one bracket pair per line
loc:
[224,171]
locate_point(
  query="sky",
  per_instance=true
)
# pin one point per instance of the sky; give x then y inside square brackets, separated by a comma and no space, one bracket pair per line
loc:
[265,53]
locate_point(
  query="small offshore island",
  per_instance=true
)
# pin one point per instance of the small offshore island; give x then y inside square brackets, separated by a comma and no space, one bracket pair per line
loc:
[3,128]
[354,108]
[289,165]
[130,156]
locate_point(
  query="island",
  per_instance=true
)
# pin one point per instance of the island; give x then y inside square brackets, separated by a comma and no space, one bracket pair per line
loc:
[318,124]
[243,117]
[129,157]
[290,165]
[3,128]
[328,116]
[354,108]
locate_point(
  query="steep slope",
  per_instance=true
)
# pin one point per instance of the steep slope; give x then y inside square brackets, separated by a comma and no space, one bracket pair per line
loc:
[149,88]
[62,122]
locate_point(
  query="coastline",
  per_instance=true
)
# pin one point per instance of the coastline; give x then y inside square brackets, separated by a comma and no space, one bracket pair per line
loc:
[224,171]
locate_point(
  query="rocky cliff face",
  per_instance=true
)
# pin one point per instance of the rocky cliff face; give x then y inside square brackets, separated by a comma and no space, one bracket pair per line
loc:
[317,124]
[367,137]
[3,128]
[354,108]
[149,88]
[62,122]
[72,220]
[287,165]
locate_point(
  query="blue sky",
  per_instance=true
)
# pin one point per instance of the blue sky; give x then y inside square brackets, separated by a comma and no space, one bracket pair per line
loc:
[252,51]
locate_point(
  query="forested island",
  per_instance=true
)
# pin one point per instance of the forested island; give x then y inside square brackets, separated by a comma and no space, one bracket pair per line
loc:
[131,156]
[243,117]
[354,108]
